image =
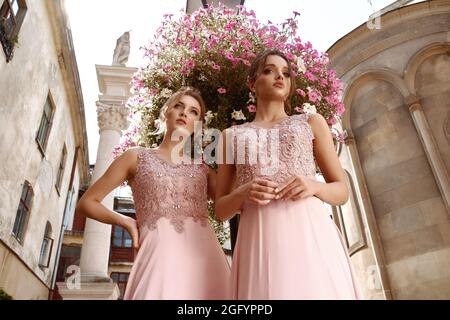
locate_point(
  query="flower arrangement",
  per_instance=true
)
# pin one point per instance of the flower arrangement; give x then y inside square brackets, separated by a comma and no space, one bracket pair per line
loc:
[212,50]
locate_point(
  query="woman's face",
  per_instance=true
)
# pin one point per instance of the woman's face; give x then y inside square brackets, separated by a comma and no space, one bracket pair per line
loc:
[183,114]
[273,81]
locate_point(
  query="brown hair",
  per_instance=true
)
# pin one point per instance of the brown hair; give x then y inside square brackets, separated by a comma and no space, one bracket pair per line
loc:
[174,99]
[258,64]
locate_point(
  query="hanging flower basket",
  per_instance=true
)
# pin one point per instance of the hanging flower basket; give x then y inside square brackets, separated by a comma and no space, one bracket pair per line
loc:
[212,50]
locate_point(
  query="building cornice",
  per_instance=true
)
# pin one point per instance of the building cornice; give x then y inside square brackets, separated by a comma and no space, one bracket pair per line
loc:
[68,65]
[371,42]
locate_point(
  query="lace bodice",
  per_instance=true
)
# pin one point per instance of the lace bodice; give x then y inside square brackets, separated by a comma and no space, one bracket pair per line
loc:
[161,189]
[277,153]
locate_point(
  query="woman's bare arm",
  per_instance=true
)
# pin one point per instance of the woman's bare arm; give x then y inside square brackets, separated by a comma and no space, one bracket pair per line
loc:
[121,169]
[334,191]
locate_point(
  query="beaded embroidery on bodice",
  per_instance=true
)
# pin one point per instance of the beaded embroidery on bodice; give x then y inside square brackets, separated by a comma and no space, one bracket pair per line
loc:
[290,142]
[174,191]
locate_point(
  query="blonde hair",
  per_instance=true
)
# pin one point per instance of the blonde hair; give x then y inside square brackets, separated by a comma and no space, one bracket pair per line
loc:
[173,100]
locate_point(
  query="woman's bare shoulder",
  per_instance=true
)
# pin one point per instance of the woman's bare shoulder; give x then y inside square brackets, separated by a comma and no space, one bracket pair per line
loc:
[133,152]
[131,159]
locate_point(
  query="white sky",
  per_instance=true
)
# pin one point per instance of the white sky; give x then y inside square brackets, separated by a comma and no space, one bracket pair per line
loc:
[97,25]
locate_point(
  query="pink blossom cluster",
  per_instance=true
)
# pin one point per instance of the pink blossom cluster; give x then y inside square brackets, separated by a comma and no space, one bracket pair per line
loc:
[212,50]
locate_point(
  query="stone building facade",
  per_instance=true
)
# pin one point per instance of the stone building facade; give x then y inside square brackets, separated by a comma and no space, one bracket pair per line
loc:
[43,143]
[397,156]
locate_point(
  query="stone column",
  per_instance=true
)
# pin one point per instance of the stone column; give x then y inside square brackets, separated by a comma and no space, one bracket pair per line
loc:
[94,261]
[432,151]
[93,280]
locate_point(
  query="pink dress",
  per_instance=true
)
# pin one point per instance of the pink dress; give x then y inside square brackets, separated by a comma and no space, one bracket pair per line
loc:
[286,249]
[179,257]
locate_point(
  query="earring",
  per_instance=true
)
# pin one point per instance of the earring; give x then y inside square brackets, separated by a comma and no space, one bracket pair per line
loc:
[252,98]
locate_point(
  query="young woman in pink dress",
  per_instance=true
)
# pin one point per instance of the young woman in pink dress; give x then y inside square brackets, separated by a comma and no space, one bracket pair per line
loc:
[287,246]
[179,255]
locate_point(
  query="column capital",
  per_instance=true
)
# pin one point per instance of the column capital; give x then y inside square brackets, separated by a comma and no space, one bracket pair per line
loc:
[112,117]
[411,99]
[416,106]
[350,139]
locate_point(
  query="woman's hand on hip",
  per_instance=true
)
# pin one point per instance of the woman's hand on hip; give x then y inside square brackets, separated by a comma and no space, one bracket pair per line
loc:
[131,226]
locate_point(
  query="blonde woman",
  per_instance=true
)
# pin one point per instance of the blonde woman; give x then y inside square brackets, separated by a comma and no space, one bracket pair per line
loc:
[179,255]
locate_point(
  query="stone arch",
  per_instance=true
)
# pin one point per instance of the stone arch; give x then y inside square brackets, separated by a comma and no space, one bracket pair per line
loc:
[384,74]
[428,76]
[416,61]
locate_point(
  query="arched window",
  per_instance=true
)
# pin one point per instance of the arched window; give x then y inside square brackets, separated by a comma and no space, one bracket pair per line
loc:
[46,247]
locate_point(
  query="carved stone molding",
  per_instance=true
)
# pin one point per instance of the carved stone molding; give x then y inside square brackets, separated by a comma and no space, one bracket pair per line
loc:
[112,117]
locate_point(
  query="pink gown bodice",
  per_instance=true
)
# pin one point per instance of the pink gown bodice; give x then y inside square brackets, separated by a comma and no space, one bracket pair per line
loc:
[289,141]
[176,192]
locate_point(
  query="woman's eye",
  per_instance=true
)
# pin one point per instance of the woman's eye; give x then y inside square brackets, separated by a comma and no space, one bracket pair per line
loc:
[267,71]
[287,74]
[194,112]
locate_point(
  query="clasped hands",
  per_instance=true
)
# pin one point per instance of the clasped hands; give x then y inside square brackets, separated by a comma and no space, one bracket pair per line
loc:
[262,191]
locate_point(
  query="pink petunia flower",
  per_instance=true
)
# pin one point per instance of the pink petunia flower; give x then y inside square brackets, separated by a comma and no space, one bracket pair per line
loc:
[228,55]
[332,121]
[300,92]
[314,96]
[310,76]
[290,56]
[190,64]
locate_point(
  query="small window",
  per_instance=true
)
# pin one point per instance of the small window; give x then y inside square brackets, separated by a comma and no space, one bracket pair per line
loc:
[121,238]
[121,279]
[45,125]
[61,167]
[46,247]
[23,212]
[12,14]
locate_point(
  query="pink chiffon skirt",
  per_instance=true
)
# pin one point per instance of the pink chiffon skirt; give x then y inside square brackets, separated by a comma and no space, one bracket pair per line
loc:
[291,250]
[190,265]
